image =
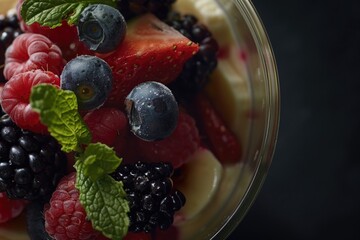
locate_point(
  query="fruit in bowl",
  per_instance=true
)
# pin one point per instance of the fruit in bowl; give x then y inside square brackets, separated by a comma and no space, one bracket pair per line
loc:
[123,129]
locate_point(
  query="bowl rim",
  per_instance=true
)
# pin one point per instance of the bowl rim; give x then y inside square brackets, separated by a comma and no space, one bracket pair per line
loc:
[271,78]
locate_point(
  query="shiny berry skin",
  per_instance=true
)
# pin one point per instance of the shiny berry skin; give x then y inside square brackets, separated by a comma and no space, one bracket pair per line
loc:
[9,208]
[90,78]
[9,30]
[152,199]
[30,164]
[152,111]
[101,27]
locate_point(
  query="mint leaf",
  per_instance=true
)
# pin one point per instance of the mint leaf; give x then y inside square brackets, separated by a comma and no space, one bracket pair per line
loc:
[51,13]
[104,202]
[99,159]
[59,111]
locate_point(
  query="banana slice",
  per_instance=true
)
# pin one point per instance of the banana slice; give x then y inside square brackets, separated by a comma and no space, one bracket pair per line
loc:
[6,5]
[209,13]
[14,229]
[229,90]
[199,181]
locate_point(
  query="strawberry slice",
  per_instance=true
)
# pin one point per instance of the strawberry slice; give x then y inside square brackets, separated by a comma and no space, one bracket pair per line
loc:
[221,139]
[151,51]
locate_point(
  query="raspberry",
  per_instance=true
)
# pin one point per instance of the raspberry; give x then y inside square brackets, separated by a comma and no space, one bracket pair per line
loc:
[31,51]
[175,149]
[106,124]
[9,208]
[152,199]
[63,36]
[15,98]
[65,217]
[30,164]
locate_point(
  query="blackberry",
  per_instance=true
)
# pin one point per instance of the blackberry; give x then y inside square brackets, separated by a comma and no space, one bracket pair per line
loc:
[131,8]
[30,164]
[9,30]
[152,199]
[196,70]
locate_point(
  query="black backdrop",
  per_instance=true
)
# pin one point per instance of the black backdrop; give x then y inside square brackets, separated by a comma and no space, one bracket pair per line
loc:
[313,188]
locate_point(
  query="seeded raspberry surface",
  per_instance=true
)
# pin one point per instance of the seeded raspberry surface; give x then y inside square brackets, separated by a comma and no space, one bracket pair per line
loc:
[32,51]
[15,98]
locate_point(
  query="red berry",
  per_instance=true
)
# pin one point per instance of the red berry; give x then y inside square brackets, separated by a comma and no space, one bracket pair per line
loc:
[65,218]
[106,124]
[10,208]
[151,51]
[31,51]
[177,148]
[222,140]
[15,98]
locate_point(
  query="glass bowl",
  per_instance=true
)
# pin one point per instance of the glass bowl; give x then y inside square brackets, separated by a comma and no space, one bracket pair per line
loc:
[253,114]
[249,103]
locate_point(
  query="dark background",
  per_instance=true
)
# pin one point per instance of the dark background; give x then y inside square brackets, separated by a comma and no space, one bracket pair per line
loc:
[313,187]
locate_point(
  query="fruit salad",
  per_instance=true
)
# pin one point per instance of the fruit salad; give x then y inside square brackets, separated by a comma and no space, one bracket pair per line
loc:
[120,119]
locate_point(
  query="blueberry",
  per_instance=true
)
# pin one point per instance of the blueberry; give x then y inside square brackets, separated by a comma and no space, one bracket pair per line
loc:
[90,78]
[101,27]
[152,111]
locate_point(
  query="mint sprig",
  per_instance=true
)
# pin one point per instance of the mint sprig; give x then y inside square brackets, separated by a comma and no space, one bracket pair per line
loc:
[99,159]
[51,13]
[104,200]
[59,111]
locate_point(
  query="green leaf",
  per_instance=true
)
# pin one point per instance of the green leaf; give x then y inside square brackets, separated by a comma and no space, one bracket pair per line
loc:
[105,203]
[51,13]
[59,111]
[99,159]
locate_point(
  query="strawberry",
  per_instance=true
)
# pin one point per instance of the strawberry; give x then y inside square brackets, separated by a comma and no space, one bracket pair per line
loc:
[106,124]
[31,51]
[151,51]
[15,98]
[177,148]
[222,140]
